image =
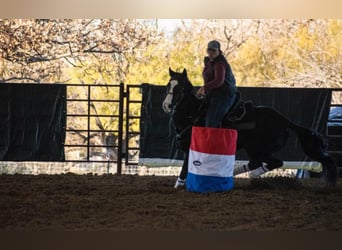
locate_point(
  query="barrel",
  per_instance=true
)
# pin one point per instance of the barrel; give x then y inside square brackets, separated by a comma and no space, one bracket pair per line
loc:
[211,160]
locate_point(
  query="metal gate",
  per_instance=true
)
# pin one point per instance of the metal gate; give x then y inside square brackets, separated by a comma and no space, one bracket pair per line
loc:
[132,122]
[103,130]
[93,135]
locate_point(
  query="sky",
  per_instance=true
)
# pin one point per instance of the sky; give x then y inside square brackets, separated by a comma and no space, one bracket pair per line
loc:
[171,25]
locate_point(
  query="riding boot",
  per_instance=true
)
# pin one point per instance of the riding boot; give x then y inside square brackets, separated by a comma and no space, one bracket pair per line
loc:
[180,183]
[240,169]
[257,172]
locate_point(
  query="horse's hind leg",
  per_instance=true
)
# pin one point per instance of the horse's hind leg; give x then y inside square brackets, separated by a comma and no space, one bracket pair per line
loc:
[315,147]
[255,173]
[254,163]
[329,170]
[271,163]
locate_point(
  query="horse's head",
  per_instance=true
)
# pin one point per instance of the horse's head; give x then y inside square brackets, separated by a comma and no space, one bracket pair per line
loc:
[177,86]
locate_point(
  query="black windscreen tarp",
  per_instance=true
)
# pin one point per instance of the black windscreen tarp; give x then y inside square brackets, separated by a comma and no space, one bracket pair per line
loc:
[306,107]
[32,122]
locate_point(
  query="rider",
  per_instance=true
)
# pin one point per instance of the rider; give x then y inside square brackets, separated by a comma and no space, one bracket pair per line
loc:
[219,88]
[219,85]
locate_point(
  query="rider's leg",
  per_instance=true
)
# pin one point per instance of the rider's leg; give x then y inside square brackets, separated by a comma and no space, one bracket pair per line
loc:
[218,106]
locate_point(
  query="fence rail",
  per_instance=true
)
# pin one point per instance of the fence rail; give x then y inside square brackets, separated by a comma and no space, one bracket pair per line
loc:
[129,132]
[118,139]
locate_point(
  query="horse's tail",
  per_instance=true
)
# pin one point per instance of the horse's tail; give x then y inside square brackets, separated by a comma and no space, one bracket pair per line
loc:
[314,145]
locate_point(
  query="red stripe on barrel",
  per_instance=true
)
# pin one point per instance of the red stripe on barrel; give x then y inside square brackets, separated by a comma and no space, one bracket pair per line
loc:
[214,140]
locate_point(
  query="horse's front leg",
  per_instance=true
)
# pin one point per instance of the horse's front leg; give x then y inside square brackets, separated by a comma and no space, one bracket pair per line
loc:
[184,172]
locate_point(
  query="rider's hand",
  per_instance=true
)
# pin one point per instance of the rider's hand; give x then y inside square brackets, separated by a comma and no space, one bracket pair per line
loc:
[201,91]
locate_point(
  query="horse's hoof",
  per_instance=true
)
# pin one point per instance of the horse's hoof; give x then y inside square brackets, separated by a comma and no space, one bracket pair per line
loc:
[179,183]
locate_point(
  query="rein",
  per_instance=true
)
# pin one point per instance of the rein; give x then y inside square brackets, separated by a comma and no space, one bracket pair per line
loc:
[194,117]
[178,100]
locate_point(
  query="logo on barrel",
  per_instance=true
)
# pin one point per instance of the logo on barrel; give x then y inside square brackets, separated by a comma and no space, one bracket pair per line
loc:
[197,163]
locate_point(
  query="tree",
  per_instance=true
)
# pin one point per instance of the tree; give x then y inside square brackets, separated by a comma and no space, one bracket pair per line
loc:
[77,51]
[300,53]
[41,50]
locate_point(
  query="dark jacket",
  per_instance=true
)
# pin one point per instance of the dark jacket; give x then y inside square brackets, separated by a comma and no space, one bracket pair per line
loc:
[218,76]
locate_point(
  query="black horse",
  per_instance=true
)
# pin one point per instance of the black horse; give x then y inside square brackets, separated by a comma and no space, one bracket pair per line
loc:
[262,131]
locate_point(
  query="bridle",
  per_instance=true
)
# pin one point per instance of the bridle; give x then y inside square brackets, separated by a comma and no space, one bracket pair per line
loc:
[176,102]
[194,117]
[179,97]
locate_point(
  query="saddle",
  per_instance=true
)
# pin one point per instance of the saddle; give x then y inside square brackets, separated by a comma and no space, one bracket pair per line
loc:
[241,116]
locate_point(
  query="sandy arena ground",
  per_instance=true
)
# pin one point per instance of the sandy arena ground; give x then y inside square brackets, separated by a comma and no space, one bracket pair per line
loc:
[90,202]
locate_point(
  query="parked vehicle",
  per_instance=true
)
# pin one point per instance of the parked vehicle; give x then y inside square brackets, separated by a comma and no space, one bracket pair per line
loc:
[334,132]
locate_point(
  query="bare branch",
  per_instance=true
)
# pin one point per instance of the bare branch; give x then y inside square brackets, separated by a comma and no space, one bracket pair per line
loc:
[20,79]
[102,51]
